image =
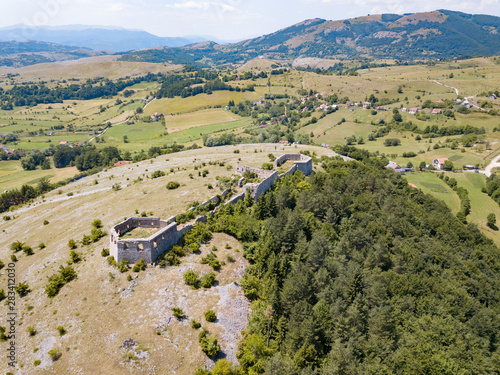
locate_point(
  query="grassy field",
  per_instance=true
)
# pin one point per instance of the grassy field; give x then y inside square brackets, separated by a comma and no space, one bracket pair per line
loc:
[179,105]
[481,203]
[13,176]
[198,118]
[430,183]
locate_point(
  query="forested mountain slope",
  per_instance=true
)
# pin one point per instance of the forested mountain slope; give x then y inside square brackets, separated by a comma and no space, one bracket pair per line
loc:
[355,272]
[439,34]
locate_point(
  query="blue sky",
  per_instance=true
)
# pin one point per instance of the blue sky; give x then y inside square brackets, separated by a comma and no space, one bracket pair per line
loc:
[225,19]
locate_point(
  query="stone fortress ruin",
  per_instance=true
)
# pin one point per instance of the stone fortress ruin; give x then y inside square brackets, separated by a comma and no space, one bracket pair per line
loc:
[168,233]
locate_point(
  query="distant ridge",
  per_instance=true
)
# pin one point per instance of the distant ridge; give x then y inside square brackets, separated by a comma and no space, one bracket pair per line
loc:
[113,39]
[440,34]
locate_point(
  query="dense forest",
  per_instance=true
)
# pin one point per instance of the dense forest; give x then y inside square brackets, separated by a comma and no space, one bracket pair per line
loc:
[355,272]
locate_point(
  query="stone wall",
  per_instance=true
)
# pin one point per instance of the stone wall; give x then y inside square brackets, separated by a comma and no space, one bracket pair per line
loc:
[169,234]
[133,249]
[303,162]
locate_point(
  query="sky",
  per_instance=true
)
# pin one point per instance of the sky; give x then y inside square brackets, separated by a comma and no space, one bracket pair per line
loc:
[224,19]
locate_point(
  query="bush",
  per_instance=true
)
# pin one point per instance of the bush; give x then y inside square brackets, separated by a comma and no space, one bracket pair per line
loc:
[97,223]
[210,316]
[3,337]
[31,330]
[191,278]
[390,142]
[111,260]
[122,266]
[178,312]
[209,345]
[157,174]
[140,265]
[37,362]
[208,280]
[45,222]
[75,257]
[491,221]
[58,280]
[22,289]
[28,250]
[129,277]
[195,324]
[54,354]
[2,295]
[173,185]
[61,331]
[72,244]
[105,252]
[16,246]
[41,245]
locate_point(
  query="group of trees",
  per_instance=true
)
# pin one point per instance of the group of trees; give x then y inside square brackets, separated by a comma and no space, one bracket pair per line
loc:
[85,157]
[33,94]
[354,272]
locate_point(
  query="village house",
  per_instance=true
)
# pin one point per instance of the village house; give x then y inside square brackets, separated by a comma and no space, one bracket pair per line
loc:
[439,163]
[437,111]
[324,107]
[367,105]
[413,111]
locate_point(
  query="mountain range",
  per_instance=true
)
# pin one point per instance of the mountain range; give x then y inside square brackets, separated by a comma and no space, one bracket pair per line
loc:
[440,34]
[99,38]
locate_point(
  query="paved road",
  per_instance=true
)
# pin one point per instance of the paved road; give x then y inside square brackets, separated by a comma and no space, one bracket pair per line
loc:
[495,163]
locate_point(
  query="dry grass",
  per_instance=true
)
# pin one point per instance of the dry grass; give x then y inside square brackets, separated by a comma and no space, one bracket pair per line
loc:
[101,309]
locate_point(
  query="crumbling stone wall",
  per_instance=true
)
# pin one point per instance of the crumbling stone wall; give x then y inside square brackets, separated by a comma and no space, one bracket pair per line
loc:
[169,234]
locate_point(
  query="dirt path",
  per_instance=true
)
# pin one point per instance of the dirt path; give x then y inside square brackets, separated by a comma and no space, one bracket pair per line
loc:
[450,87]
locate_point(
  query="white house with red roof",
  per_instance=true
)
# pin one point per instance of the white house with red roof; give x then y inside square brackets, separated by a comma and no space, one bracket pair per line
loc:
[439,163]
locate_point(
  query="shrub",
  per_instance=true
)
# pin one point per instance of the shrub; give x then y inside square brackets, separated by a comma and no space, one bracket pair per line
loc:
[58,280]
[16,246]
[97,223]
[267,166]
[41,245]
[2,264]
[210,316]
[2,295]
[13,258]
[129,277]
[28,250]
[37,362]
[122,266]
[105,252]
[45,222]
[491,220]
[61,331]
[157,174]
[209,345]
[173,185]
[75,257]
[208,280]
[22,289]
[111,260]
[3,337]
[178,312]
[195,324]
[140,265]
[31,330]
[54,354]
[191,278]
[72,244]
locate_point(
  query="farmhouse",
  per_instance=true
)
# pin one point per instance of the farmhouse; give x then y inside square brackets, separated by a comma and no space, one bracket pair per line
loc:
[413,111]
[439,163]
[437,111]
